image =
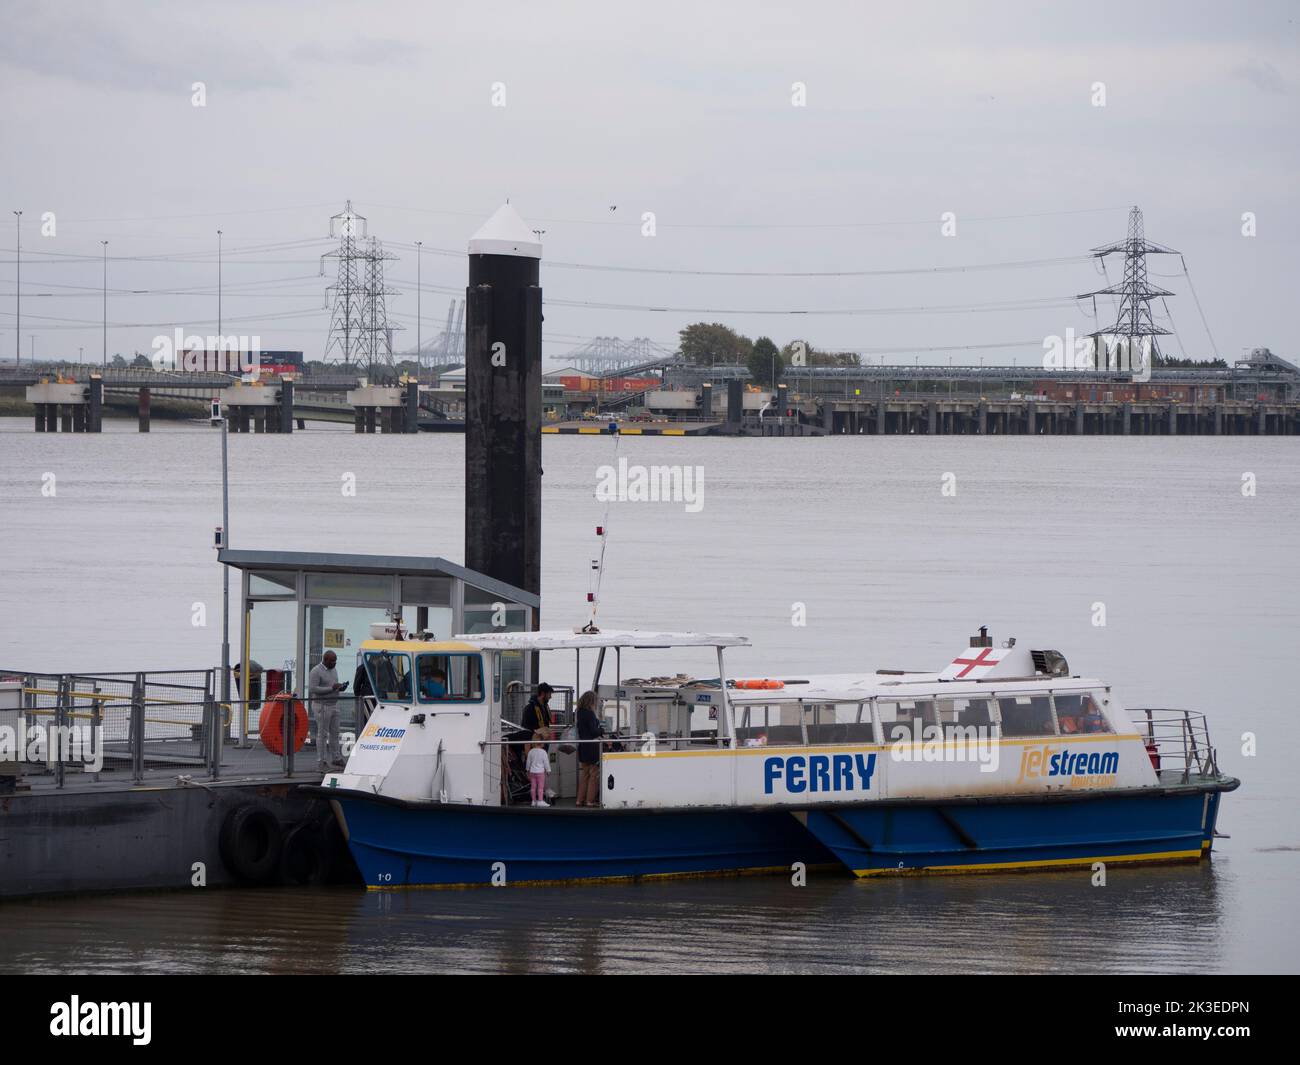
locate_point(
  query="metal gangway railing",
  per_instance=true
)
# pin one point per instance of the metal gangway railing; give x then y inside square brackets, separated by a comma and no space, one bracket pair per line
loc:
[64,728]
[1179,744]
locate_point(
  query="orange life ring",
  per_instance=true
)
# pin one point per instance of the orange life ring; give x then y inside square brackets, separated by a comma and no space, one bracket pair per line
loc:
[271,723]
[760,685]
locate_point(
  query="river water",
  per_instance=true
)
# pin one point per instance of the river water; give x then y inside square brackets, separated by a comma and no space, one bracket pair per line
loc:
[1037,538]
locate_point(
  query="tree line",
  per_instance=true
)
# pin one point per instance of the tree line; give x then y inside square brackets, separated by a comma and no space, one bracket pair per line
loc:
[714,344]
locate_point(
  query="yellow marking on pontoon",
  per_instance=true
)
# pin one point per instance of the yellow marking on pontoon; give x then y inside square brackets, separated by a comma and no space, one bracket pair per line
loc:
[1038,863]
[585,431]
[674,432]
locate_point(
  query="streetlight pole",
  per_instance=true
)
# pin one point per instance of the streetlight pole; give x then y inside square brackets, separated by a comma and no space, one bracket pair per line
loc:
[419,348]
[105,246]
[225,570]
[18,293]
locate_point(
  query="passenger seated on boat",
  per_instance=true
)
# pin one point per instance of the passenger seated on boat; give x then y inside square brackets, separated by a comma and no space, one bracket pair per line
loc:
[434,685]
[1092,719]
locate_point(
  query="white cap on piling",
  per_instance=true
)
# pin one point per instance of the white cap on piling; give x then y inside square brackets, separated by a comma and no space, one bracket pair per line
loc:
[505,233]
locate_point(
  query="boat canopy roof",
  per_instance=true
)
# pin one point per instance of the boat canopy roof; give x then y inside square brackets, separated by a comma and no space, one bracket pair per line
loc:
[566,639]
[855,688]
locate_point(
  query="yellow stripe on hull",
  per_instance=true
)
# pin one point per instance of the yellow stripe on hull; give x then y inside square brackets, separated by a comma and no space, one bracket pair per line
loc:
[1042,863]
[757,870]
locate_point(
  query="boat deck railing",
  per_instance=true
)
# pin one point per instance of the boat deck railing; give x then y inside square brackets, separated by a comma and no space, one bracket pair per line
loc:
[1179,744]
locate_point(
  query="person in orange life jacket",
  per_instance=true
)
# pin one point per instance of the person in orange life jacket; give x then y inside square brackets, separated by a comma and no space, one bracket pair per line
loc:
[1091,719]
[537,714]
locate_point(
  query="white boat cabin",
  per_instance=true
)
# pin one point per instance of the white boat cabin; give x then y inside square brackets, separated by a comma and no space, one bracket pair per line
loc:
[1004,720]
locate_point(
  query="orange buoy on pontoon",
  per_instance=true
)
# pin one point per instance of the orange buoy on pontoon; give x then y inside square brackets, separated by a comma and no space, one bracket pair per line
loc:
[271,723]
[760,685]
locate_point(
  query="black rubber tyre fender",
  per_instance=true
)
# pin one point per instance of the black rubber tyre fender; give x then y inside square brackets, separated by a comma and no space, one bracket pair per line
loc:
[302,857]
[339,868]
[250,843]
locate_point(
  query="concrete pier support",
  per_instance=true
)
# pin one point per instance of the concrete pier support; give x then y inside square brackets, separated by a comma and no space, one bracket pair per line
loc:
[286,407]
[1032,417]
[65,418]
[1079,417]
[143,409]
[882,418]
[40,417]
[1261,421]
[706,400]
[932,418]
[95,401]
[79,418]
[735,402]
[1126,419]
[359,419]
[412,407]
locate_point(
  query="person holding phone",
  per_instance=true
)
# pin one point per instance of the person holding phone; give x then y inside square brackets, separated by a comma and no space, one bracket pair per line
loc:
[323,687]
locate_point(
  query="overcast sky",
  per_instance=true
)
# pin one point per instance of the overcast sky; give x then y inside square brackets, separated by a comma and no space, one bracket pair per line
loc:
[684,110]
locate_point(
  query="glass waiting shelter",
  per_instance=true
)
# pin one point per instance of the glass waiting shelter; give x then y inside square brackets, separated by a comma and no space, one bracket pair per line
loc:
[299,604]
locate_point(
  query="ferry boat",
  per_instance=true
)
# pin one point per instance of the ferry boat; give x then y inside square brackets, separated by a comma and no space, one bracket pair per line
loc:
[1001,760]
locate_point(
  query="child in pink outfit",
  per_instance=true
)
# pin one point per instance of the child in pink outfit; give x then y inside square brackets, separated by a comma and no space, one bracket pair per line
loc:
[538,765]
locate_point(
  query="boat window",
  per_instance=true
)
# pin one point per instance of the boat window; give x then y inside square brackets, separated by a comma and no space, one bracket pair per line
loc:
[838,723]
[1080,712]
[775,725]
[449,678]
[964,714]
[390,675]
[905,720]
[1026,715]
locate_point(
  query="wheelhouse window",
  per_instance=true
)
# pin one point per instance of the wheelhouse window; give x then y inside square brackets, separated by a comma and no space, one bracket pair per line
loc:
[1080,712]
[1026,715]
[390,675]
[449,678]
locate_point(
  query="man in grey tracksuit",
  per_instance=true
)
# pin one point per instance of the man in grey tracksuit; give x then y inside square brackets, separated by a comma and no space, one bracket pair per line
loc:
[323,686]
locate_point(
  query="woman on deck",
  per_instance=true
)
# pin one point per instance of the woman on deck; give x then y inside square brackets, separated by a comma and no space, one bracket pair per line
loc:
[589,732]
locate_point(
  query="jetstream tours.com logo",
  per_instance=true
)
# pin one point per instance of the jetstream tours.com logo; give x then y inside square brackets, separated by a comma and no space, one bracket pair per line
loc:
[1077,768]
[77,1018]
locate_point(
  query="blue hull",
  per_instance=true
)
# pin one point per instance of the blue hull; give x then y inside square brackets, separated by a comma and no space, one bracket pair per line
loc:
[989,837]
[462,846]
[414,845]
